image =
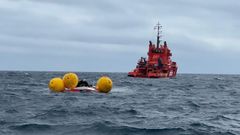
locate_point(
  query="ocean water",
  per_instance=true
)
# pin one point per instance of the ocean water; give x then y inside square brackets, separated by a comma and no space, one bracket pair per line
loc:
[189,104]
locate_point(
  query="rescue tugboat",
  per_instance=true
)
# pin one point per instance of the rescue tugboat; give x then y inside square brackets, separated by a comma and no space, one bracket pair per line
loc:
[158,64]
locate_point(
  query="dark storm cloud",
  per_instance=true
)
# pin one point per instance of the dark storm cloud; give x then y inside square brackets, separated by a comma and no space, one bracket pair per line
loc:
[112,31]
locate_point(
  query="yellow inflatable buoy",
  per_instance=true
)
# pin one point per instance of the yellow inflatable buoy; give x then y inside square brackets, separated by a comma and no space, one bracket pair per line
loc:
[56,85]
[70,80]
[104,84]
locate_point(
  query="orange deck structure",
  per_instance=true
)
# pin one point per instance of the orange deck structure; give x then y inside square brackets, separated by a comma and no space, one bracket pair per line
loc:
[158,64]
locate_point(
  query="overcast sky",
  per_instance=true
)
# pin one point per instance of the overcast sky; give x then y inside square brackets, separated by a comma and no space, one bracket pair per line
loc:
[111,35]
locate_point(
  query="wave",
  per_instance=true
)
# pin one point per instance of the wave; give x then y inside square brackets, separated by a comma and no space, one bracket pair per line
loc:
[202,128]
[31,127]
[107,127]
[193,104]
[134,106]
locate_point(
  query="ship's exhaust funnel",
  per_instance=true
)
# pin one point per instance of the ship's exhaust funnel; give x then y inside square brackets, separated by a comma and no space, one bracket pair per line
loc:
[150,43]
[165,43]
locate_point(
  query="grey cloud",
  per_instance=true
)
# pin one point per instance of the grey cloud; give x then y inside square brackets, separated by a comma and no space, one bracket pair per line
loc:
[195,30]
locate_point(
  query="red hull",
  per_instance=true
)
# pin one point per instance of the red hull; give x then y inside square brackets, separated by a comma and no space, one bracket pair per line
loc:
[158,64]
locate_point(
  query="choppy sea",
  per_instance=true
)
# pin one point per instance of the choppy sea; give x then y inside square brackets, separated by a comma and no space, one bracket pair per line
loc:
[190,104]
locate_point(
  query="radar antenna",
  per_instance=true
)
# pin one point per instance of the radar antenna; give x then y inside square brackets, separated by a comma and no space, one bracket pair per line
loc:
[159,33]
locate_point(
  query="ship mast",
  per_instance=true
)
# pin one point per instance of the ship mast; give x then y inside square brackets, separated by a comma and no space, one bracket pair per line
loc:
[159,32]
